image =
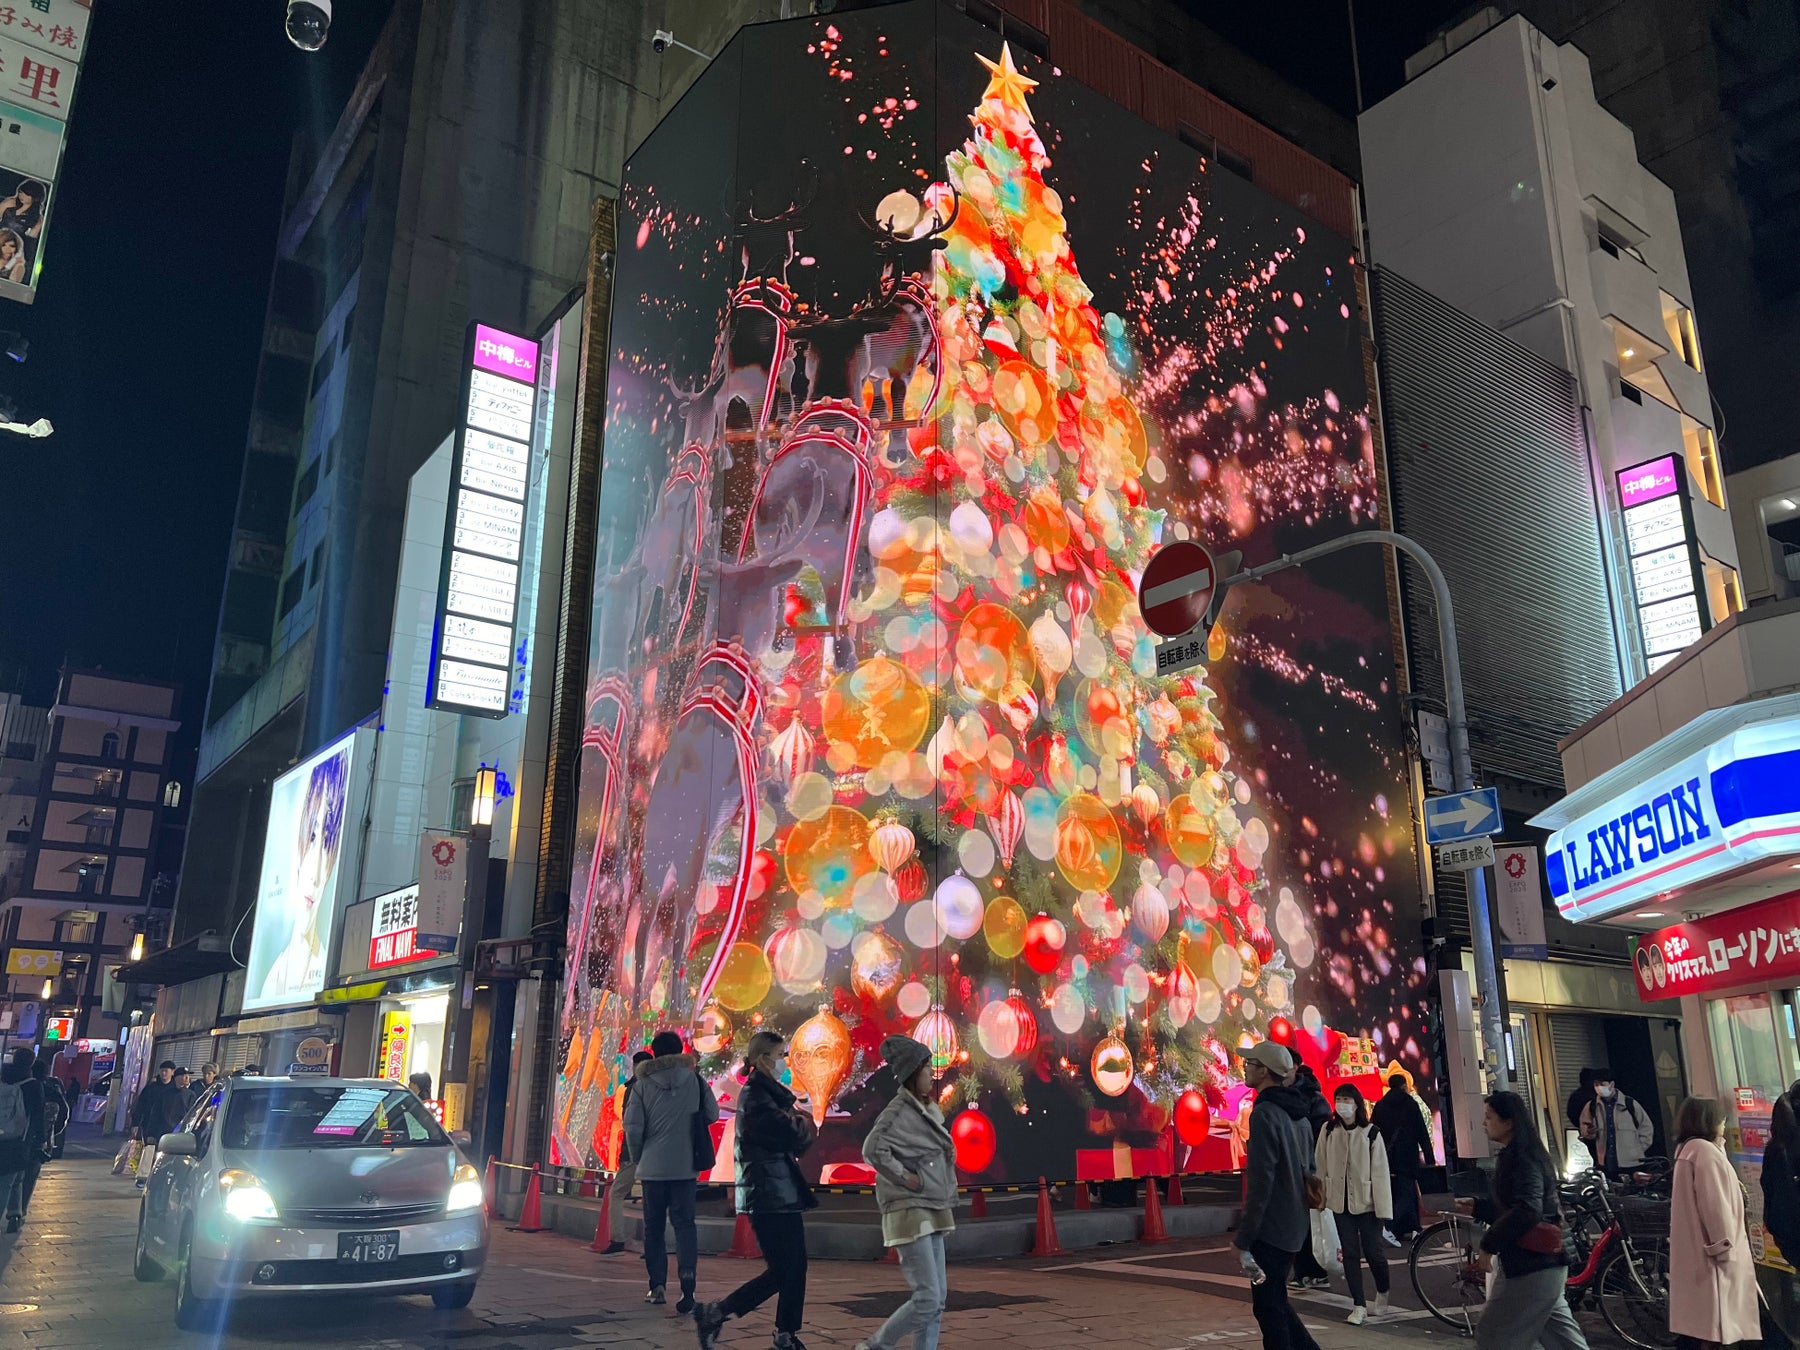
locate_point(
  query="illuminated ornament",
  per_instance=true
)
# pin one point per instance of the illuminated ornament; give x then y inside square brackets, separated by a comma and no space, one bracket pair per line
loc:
[1111,604]
[744,978]
[819,1057]
[1008,821]
[1251,964]
[1190,832]
[1088,845]
[1111,1067]
[792,750]
[1068,1010]
[1080,599]
[1145,804]
[975,1141]
[997,1030]
[1025,1023]
[1184,996]
[1054,653]
[875,710]
[1100,718]
[910,881]
[1046,523]
[1004,927]
[796,958]
[992,651]
[913,1000]
[1165,718]
[924,928]
[891,844]
[1026,404]
[712,1031]
[1005,83]
[1019,705]
[1215,645]
[1150,912]
[1044,940]
[876,964]
[958,905]
[828,854]
[971,529]
[1193,1118]
[1281,1031]
[937,1033]
[899,213]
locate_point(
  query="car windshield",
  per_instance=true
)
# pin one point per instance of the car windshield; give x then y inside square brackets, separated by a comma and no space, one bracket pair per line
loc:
[329,1117]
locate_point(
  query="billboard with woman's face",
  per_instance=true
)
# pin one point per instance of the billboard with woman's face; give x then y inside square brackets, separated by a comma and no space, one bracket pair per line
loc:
[919,351]
[308,854]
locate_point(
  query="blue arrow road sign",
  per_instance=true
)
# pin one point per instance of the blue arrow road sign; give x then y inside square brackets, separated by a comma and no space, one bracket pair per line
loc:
[1462,815]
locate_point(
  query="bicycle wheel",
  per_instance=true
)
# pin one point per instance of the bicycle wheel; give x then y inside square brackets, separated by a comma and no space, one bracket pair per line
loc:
[1632,1287]
[1444,1275]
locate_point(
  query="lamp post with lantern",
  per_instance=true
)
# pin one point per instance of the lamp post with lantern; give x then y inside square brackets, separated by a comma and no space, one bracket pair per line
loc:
[457,1088]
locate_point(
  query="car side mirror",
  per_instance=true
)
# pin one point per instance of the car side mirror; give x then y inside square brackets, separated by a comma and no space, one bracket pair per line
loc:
[462,1139]
[181,1144]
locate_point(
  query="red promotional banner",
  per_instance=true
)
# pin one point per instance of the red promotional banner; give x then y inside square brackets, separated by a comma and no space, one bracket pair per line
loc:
[1722,951]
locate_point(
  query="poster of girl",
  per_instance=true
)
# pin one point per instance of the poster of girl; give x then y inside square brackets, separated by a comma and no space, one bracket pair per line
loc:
[294,913]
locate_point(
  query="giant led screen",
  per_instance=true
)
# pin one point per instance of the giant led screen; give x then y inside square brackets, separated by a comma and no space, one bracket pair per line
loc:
[919,350]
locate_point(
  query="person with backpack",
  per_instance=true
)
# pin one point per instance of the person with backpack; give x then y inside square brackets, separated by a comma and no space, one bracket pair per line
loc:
[668,1114]
[56,1119]
[21,1132]
[1615,1128]
[1353,1165]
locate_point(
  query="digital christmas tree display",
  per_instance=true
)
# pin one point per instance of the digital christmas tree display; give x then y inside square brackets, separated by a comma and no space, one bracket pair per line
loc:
[875,739]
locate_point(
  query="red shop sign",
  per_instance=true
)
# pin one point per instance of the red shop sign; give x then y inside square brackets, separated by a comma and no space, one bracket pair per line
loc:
[1722,951]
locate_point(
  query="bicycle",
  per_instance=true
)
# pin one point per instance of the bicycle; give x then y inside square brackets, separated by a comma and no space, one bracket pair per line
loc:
[1626,1267]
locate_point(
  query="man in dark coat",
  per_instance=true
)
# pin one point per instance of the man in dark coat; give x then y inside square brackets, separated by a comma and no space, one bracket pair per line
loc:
[1579,1099]
[157,1111]
[1402,1129]
[1276,1224]
[16,1155]
[1308,1273]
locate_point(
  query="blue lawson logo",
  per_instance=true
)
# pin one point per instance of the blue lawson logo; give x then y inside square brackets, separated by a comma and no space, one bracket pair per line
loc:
[1713,813]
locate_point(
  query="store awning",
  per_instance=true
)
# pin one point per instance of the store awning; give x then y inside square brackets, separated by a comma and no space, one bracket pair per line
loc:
[195,959]
[367,991]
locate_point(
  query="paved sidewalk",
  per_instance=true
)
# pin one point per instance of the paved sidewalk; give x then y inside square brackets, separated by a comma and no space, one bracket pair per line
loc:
[66,1284]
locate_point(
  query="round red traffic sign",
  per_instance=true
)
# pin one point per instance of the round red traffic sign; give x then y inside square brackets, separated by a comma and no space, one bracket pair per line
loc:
[1176,588]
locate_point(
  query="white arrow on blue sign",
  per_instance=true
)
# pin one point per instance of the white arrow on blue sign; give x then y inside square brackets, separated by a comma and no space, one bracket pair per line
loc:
[1462,815]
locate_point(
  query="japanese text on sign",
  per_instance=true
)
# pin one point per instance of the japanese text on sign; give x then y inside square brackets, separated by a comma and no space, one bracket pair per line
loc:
[1722,951]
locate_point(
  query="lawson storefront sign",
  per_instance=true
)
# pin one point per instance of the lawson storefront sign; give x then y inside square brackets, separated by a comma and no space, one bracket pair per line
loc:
[1721,794]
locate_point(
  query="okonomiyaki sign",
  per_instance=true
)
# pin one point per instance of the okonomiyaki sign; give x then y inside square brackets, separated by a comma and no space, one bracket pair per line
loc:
[1735,802]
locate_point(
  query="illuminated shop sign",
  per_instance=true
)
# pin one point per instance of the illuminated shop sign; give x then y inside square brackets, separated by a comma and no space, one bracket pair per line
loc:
[394,928]
[484,533]
[1731,800]
[1665,568]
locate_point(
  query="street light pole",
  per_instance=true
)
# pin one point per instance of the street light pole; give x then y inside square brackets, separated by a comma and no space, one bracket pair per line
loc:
[1487,975]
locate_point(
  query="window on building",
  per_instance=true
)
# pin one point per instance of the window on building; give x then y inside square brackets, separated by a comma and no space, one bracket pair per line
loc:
[307,485]
[331,447]
[109,745]
[292,589]
[1702,451]
[21,750]
[1724,593]
[317,567]
[171,794]
[321,370]
[344,337]
[1684,339]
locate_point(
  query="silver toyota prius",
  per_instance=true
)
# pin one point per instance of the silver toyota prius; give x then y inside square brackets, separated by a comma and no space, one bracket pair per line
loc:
[308,1185]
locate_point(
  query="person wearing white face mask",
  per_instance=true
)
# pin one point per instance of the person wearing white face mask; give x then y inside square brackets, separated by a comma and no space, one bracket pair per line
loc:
[1353,1163]
[1615,1128]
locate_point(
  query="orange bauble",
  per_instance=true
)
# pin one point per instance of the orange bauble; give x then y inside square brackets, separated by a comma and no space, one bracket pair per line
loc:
[829,854]
[1089,846]
[874,710]
[993,650]
[819,1057]
[1190,832]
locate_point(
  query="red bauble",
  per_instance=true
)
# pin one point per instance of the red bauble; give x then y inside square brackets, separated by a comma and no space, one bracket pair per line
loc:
[1281,1031]
[1025,1020]
[1103,705]
[975,1141]
[911,881]
[1193,1118]
[762,872]
[1080,598]
[1044,939]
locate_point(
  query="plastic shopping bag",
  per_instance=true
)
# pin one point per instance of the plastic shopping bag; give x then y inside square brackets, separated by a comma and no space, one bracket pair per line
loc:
[141,1158]
[1326,1248]
[125,1157]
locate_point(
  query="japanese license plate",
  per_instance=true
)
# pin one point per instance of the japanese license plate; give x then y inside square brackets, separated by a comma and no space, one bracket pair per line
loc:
[369,1248]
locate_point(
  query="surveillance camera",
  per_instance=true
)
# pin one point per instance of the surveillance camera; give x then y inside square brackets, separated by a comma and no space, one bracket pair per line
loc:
[308,21]
[660,43]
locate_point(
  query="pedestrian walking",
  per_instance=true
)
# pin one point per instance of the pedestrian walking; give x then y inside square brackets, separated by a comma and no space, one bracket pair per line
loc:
[914,1159]
[1617,1129]
[626,1177]
[1579,1099]
[157,1111]
[771,1136]
[21,1133]
[1396,1118]
[1276,1223]
[667,1115]
[1352,1163]
[56,1113]
[1526,1303]
[1712,1278]
[1309,1273]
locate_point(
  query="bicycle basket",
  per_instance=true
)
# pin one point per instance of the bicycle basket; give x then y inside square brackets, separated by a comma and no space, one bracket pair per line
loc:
[1643,1217]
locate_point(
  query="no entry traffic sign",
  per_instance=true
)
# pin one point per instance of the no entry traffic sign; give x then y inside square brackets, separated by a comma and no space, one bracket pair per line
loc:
[1176,588]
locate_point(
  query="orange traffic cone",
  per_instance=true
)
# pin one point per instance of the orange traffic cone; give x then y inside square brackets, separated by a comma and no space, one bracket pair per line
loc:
[603,1229]
[1045,1243]
[1153,1219]
[978,1205]
[531,1216]
[590,1185]
[1174,1196]
[1083,1200]
[743,1240]
[487,1187]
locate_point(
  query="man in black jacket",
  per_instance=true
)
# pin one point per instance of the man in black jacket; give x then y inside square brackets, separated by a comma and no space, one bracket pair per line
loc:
[1276,1222]
[157,1111]
[1397,1119]
[17,1155]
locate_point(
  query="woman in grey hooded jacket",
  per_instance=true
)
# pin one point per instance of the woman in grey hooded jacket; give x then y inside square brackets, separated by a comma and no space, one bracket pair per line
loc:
[915,1185]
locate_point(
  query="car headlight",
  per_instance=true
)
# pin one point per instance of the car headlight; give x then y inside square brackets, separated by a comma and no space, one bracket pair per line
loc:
[466,1192]
[245,1196]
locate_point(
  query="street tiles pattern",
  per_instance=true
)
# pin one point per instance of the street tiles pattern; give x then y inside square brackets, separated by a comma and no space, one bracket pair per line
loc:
[66,1284]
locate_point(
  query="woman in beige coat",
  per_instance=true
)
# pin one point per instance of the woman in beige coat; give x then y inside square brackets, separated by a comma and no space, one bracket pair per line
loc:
[1712,1280]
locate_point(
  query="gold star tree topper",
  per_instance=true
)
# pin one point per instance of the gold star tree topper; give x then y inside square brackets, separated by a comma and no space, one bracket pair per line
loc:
[1007,84]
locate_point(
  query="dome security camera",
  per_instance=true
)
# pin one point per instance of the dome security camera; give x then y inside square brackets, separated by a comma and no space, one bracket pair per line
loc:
[308,23]
[660,42]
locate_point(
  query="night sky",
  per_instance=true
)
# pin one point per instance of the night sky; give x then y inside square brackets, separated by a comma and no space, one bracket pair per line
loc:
[150,308]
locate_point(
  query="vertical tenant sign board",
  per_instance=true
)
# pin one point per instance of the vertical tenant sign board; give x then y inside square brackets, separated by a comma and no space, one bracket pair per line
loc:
[42,43]
[1665,566]
[484,530]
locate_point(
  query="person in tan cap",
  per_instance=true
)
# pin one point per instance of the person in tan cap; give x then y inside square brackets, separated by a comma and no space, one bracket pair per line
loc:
[1276,1223]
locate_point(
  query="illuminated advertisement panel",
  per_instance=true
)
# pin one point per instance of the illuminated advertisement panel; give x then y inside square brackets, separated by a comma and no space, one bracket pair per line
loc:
[920,349]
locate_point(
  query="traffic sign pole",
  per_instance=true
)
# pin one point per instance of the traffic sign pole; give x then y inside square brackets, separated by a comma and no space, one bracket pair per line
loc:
[1487,971]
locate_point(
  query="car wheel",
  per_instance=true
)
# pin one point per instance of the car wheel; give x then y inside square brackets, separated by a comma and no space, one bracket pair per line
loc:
[454,1295]
[192,1313]
[143,1265]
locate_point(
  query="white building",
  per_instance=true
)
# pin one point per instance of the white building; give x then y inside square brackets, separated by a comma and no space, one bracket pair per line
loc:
[1495,180]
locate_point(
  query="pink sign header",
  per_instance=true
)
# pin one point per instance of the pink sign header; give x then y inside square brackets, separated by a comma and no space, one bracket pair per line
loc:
[1647,482]
[504,354]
